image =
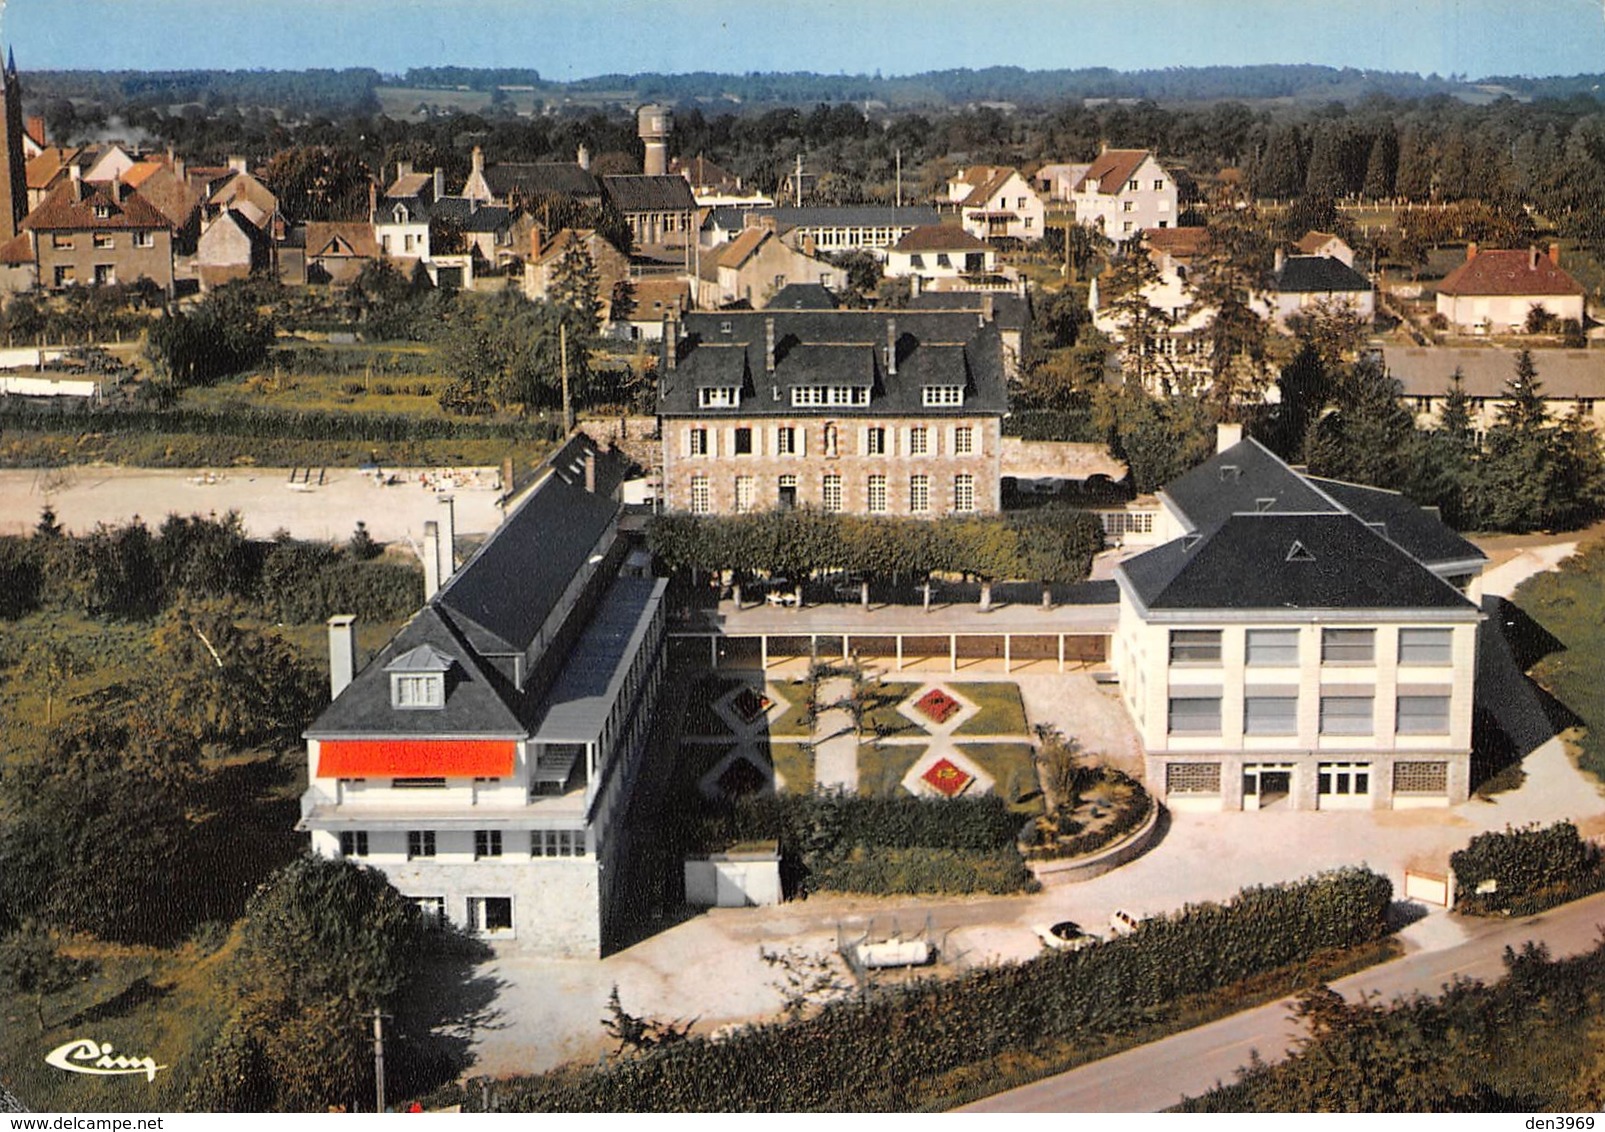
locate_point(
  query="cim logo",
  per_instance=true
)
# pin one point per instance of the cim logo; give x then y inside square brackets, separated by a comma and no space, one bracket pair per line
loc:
[85,1055]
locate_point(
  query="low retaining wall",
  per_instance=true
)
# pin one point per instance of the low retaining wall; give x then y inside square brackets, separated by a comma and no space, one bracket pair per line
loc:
[1071,870]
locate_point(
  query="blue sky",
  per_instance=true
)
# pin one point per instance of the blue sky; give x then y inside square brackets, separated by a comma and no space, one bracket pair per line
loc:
[567,39]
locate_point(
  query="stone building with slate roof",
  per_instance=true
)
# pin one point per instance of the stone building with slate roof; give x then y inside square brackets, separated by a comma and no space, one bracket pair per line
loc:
[485,757]
[1298,642]
[1306,282]
[853,411]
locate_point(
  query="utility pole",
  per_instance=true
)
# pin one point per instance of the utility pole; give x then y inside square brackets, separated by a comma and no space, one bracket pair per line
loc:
[568,404]
[378,1061]
[899,176]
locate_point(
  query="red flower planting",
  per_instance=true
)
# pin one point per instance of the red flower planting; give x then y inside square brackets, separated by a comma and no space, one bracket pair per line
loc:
[749,705]
[937,705]
[947,778]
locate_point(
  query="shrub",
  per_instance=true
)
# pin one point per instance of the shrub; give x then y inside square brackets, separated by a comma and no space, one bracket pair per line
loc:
[1521,864]
[889,872]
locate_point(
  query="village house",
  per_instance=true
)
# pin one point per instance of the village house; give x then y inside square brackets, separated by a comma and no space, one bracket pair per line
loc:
[1001,207]
[231,247]
[1572,381]
[485,759]
[1304,283]
[848,411]
[1298,642]
[659,209]
[105,233]
[1494,292]
[338,250]
[1123,192]
[754,266]
[541,268]
[940,252]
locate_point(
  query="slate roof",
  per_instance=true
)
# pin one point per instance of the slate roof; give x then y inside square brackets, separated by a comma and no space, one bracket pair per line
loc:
[700,171]
[71,206]
[1009,310]
[1247,477]
[1111,170]
[576,708]
[837,348]
[531,179]
[1418,531]
[1509,273]
[802,297]
[939,238]
[1319,274]
[1425,371]
[1287,561]
[646,193]
[471,216]
[852,216]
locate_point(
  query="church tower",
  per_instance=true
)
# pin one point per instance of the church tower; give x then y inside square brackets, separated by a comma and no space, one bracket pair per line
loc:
[13,170]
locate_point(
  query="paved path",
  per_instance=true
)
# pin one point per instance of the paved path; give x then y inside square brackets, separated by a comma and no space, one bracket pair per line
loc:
[1154,1077]
[835,738]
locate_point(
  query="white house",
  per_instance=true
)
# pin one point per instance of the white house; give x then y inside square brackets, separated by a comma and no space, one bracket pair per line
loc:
[940,251]
[1493,292]
[485,757]
[1123,192]
[1298,642]
[1003,206]
[1308,282]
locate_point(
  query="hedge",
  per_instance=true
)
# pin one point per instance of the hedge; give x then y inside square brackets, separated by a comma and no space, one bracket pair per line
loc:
[884,1051]
[1530,869]
[906,872]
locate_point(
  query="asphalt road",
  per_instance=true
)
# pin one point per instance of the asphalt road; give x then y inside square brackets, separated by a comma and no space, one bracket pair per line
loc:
[1154,1077]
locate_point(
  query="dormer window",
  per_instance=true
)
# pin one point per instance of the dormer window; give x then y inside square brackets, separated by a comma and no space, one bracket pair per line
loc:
[418,679]
[426,690]
[721,397]
[103,212]
[400,214]
[940,396]
[803,396]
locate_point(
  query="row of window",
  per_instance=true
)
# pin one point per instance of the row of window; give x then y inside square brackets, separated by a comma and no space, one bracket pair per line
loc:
[1331,778]
[421,843]
[876,497]
[1279,647]
[792,440]
[103,240]
[1339,715]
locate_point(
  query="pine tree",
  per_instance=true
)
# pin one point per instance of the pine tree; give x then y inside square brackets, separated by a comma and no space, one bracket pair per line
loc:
[1382,164]
[1523,409]
[1454,419]
[1142,326]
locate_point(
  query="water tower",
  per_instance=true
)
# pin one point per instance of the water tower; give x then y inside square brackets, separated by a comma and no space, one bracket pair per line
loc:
[654,124]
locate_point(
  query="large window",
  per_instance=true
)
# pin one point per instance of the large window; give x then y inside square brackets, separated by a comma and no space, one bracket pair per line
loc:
[1343,778]
[876,494]
[144,239]
[1270,715]
[1195,715]
[490,915]
[964,492]
[487,843]
[805,396]
[939,396]
[831,497]
[918,441]
[875,441]
[1346,715]
[354,843]
[721,397]
[963,441]
[744,493]
[919,494]
[743,444]
[1195,646]
[1268,648]
[1348,646]
[1423,715]
[420,843]
[786,441]
[1425,646]
[698,442]
[701,497]
[557,843]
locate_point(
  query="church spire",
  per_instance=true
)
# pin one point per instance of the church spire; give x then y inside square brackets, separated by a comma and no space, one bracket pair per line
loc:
[11,62]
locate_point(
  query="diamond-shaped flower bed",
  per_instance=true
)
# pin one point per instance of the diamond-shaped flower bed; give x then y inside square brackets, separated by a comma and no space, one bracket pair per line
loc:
[948,779]
[741,779]
[936,705]
[750,706]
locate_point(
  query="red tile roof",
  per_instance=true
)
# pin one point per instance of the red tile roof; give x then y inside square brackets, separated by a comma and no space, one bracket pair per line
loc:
[17,250]
[1178,243]
[737,251]
[939,238]
[1509,273]
[343,238]
[72,206]
[1313,241]
[1112,169]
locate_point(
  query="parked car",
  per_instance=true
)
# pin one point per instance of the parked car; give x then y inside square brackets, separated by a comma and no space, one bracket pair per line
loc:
[1122,922]
[1066,935]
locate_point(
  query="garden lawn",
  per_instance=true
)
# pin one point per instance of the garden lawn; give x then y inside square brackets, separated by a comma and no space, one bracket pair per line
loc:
[1002,712]
[1013,769]
[794,763]
[412,395]
[881,768]
[881,716]
[1569,602]
[794,694]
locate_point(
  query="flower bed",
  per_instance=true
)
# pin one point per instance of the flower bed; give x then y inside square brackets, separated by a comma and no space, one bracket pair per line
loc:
[948,779]
[742,780]
[1121,806]
[936,705]
[750,705]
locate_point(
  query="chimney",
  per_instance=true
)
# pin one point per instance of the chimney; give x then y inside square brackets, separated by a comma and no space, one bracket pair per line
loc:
[1281,260]
[1227,435]
[671,343]
[535,236]
[342,653]
[891,346]
[988,311]
[431,556]
[440,182]
[36,128]
[74,170]
[448,538]
[769,345]
[479,162]
[403,169]
[583,159]
[239,164]
[180,169]
[1532,257]
[1554,253]
[590,470]
[1471,251]
[373,201]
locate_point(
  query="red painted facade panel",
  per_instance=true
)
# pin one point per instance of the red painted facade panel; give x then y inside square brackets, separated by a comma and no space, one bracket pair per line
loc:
[416,758]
